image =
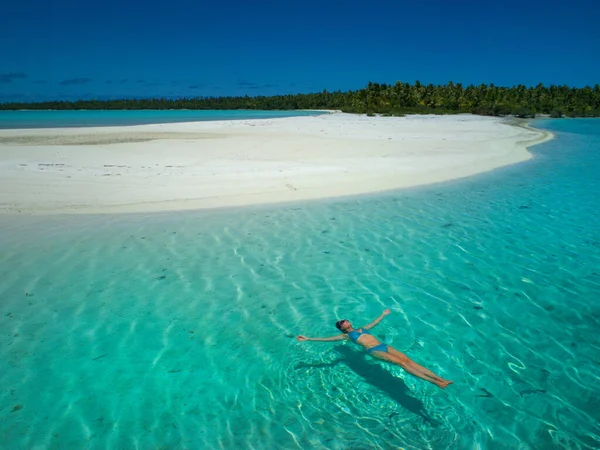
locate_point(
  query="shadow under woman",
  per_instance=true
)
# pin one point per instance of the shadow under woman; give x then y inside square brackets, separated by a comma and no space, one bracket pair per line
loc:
[376,376]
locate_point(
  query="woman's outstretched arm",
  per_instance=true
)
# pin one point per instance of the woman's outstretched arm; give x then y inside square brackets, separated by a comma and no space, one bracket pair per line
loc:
[376,321]
[339,337]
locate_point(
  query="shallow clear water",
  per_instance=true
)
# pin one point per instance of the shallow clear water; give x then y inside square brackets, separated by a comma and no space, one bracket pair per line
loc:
[177,330]
[101,118]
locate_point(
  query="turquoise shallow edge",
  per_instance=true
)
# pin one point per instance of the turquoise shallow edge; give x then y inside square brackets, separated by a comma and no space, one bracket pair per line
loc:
[102,118]
[177,330]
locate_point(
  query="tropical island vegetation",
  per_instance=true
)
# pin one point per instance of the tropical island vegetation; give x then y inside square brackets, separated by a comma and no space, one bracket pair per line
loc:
[388,99]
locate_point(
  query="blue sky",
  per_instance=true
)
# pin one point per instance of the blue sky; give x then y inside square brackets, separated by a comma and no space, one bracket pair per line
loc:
[69,49]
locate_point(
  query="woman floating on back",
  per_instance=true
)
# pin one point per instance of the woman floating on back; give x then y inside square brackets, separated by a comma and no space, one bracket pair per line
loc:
[375,348]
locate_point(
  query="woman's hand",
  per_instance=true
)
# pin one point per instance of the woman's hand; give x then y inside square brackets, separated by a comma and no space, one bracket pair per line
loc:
[302,338]
[386,312]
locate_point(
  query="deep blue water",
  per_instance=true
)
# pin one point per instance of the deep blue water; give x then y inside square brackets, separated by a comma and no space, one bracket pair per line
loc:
[177,330]
[60,119]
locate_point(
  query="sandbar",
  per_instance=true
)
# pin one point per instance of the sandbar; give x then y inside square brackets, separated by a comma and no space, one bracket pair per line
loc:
[195,165]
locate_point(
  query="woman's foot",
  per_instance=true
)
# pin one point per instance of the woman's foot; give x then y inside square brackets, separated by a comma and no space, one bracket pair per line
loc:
[443,383]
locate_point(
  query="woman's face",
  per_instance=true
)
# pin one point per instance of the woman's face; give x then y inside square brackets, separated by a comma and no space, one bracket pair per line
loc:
[345,325]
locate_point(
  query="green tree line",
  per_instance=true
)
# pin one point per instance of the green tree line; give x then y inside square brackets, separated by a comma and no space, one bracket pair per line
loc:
[389,99]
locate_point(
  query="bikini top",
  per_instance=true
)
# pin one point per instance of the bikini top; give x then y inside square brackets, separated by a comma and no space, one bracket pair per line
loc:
[355,334]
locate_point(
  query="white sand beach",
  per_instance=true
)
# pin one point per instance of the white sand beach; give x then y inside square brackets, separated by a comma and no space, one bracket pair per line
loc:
[230,163]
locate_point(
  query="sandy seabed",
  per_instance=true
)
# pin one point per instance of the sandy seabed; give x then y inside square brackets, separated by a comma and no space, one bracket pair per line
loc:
[231,163]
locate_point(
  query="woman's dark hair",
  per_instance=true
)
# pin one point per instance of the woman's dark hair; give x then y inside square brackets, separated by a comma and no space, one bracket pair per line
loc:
[339,323]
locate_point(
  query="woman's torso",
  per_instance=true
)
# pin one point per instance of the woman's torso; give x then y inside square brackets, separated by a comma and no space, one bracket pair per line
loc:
[362,337]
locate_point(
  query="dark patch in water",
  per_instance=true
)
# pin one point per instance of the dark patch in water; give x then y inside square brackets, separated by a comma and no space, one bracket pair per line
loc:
[161,277]
[525,392]
[487,394]
[16,408]
[477,307]
[448,225]
[98,357]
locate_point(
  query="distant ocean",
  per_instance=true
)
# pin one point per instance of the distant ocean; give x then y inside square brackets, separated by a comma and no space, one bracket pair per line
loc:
[177,330]
[60,119]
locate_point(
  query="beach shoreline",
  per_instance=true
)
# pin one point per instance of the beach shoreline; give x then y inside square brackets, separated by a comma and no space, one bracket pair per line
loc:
[200,165]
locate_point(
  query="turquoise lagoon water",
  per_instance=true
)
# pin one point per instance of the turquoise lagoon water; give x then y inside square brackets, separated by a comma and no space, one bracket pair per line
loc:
[93,118]
[177,330]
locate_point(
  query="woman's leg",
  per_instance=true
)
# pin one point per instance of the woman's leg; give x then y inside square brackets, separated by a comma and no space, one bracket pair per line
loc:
[399,358]
[409,362]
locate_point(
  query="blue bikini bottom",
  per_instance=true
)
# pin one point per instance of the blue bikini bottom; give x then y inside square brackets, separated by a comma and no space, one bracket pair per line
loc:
[378,348]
